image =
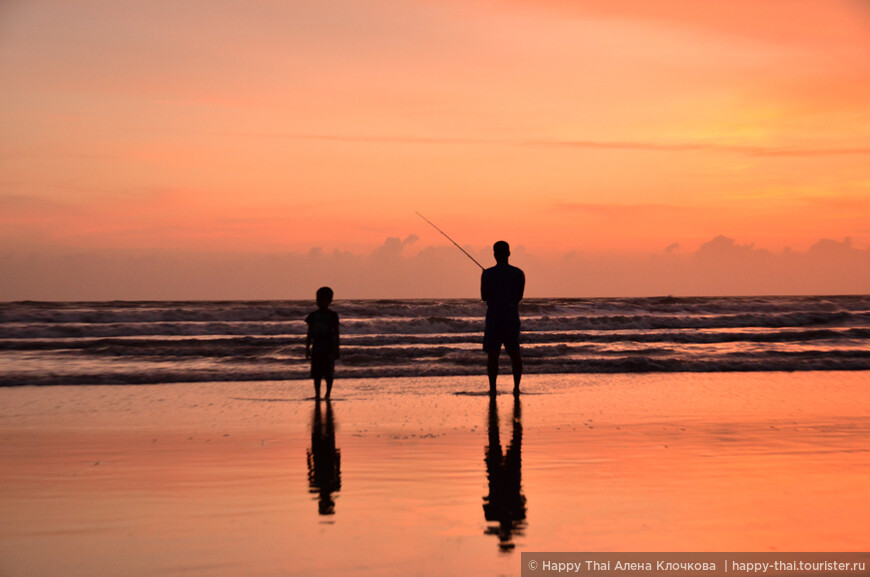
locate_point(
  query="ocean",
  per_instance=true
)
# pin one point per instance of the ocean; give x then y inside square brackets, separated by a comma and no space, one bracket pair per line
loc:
[68,343]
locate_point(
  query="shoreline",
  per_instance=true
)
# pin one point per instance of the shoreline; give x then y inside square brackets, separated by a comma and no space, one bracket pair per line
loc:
[302,376]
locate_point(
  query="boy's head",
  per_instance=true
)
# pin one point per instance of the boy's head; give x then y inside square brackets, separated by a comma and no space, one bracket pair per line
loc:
[324,297]
[501,251]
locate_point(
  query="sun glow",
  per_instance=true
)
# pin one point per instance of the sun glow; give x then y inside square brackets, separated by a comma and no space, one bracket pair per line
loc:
[607,127]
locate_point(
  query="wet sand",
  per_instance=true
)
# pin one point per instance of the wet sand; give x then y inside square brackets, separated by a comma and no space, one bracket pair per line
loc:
[427,476]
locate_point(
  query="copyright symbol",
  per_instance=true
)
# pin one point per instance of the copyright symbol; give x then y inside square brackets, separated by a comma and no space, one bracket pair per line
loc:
[533,565]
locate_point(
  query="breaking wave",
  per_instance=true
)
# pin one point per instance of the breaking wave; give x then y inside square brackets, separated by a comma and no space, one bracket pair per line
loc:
[158,342]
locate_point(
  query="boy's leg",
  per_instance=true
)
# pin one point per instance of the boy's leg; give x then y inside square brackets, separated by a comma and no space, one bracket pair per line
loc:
[317,388]
[329,374]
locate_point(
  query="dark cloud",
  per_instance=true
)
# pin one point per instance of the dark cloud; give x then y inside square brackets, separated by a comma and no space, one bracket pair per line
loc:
[722,266]
[828,247]
[722,246]
[393,247]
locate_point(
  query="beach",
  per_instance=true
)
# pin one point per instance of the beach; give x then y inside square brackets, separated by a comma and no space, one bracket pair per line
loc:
[427,475]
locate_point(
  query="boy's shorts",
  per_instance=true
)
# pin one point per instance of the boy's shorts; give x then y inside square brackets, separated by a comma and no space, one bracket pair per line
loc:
[322,365]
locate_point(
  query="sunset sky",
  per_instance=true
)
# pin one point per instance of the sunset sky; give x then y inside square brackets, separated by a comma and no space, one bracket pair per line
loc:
[610,129]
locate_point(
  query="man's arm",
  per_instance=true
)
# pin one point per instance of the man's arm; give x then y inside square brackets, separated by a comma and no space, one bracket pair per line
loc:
[483,292]
[308,337]
[335,328]
[522,285]
[308,344]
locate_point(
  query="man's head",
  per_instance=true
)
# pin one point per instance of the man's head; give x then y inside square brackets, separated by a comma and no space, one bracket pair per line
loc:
[501,251]
[324,297]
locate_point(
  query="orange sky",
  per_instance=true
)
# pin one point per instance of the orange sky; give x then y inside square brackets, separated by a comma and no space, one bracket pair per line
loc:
[600,126]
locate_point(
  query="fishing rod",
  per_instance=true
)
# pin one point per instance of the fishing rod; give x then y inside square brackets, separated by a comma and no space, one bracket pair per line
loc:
[450,239]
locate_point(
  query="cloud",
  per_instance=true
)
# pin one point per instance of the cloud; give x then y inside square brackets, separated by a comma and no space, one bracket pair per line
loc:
[747,150]
[392,248]
[369,138]
[616,210]
[26,203]
[722,266]
[605,145]
[817,20]
[840,203]
[828,248]
[722,246]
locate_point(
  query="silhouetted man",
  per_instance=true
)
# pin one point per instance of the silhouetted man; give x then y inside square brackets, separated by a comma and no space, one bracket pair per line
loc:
[502,288]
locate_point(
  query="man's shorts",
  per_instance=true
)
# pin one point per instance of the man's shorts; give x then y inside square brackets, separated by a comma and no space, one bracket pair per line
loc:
[496,334]
[322,365]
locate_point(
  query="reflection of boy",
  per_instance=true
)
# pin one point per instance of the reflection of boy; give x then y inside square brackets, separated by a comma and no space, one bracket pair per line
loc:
[324,460]
[321,342]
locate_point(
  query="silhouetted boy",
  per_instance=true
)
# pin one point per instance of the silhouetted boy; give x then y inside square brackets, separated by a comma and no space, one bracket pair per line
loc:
[321,343]
[502,288]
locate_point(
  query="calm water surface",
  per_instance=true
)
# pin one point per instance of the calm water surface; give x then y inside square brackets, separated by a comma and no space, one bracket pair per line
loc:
[258,479]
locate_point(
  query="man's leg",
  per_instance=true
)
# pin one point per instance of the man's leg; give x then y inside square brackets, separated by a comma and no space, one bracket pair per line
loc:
[492,367]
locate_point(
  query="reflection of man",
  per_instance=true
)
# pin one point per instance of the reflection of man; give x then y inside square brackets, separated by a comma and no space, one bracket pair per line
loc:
[505,504]
[502,288]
